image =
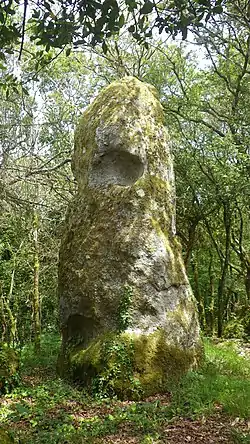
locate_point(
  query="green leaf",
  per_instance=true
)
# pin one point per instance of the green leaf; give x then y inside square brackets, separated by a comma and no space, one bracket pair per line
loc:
[36,14]
[47,5]
[2,56]
[131,5]
[137,36]
[204,2]
[147,8]
[68,51]
[131,28]
[105,47]
[121,20]
[25,91]
[218,9]
[22,409]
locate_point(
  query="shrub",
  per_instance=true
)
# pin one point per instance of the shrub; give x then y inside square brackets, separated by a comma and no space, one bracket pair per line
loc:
[9,367]
[234,329]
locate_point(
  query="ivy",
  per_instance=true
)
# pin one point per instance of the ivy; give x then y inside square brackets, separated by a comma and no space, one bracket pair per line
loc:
[124,316]
[117,377]
[117,357]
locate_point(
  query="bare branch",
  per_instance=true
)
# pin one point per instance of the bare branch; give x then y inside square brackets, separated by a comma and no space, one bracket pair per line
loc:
[23,28]
[200,121]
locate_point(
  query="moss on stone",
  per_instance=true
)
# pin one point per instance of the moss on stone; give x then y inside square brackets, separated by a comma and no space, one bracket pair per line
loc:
[132,365]
[133,110]
[120,233]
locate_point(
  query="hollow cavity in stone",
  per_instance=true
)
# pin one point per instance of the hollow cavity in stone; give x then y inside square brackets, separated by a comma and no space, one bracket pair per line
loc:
[115,167]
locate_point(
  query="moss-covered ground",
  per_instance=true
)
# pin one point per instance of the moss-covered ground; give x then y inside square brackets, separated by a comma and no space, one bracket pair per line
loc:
[211,405]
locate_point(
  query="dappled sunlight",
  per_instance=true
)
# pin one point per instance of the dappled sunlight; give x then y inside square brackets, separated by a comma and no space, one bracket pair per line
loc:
[210,405]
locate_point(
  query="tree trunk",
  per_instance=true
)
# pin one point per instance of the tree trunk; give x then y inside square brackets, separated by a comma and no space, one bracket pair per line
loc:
[210,313]
[36,298]
[247,283]
[190,242]
[224,271]
[197,294]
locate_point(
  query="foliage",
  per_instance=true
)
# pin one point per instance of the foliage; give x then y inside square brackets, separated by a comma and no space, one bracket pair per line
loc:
[50,344]
[206,105]
[52,411]
[34,177]
[204,114]
[78,23]
[117,360]
[124,308]
[9,368]
[234,329]
[223,381]
[246,324]
[240,438]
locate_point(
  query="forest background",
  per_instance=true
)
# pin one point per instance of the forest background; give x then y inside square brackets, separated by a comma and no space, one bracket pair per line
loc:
[204,86]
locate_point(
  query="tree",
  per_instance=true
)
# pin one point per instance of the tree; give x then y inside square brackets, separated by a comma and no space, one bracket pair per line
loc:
[36,183]
[207,112]
[62,23]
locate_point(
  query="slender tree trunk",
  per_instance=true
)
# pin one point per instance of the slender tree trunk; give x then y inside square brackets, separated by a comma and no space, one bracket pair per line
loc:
[9,320]
[197,294]
[190,243]
[247,283]
[224,271]
[11,336]
[10,314]
[211,302]
[2,318]
[36,298]
[243,254]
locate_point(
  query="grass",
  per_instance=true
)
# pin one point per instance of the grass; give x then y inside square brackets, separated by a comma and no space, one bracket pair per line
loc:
[223,381]
[45,409]
[50,345]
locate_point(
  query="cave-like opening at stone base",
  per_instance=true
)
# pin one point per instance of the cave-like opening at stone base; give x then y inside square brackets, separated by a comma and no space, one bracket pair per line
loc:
[116,167]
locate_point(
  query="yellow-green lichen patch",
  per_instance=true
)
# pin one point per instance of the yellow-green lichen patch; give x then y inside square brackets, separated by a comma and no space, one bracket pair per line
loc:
[184,324]
[131,365]
[128,110]
[160,362]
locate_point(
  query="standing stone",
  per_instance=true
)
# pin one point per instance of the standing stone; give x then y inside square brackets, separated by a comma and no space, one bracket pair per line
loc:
[128,316]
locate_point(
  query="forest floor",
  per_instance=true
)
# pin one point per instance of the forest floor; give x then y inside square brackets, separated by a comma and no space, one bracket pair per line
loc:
[211,405]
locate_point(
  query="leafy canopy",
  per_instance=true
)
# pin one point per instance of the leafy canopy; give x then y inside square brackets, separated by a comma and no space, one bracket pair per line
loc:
[57,23]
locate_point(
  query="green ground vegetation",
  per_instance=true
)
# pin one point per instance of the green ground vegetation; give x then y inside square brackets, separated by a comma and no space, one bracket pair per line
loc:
[45,409]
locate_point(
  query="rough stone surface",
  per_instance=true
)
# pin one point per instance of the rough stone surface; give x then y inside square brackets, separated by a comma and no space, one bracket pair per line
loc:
[120,268]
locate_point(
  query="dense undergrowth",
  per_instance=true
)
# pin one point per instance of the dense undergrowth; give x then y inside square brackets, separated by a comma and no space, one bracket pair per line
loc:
[44,409]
